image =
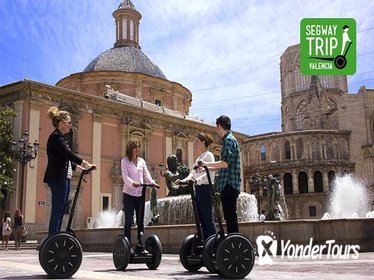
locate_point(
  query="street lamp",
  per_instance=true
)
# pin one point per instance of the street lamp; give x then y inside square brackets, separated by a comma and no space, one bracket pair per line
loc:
[23,152]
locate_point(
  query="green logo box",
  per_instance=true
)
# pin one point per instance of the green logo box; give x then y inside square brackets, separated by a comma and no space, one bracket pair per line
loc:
[328,46]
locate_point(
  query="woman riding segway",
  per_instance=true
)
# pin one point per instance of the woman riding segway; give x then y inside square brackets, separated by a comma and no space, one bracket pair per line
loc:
[134,172]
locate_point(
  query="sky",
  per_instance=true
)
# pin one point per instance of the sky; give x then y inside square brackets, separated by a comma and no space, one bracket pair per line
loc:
[227,53]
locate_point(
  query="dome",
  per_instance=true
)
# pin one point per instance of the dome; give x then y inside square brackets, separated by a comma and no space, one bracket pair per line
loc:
[126,59]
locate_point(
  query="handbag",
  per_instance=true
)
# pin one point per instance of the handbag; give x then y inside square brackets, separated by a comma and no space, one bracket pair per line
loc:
[24,231]
[9,229]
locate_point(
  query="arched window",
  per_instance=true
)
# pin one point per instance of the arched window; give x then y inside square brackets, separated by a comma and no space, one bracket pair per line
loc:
[331,176]
[318,182]
[287,181]
[263,152]
[303,182]
[287,150]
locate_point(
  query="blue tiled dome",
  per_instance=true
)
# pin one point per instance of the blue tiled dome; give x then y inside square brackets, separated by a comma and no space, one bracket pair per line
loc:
[126,59]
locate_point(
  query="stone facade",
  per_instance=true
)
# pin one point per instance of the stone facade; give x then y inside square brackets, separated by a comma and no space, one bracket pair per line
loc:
[108,109]
[325,132]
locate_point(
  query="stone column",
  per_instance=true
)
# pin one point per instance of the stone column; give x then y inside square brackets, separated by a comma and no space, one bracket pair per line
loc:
[96,159]
[125,136]
[325,179]
[32,167]
[295,182]
[310,182]
[190,157]
[139,89]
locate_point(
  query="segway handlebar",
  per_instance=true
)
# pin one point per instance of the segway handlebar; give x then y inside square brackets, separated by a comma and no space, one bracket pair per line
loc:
[200,164]
[150,186]
[89,170]
[185,184]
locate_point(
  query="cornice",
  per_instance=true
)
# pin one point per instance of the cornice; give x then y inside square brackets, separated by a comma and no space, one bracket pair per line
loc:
[39,92]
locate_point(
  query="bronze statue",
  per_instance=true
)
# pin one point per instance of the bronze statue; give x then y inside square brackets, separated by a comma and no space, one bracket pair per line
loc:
[273,195]
[174,172]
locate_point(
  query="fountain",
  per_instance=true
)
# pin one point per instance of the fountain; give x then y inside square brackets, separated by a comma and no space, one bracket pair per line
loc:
[349,199]
[109,219]
[176,221]
[177,210]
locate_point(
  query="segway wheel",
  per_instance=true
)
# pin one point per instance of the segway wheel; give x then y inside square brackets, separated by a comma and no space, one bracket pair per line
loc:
[121,252]
[61,255]
[153,246]
[340,61]
[187,250]
[235,256]
[209,254]
[40,253]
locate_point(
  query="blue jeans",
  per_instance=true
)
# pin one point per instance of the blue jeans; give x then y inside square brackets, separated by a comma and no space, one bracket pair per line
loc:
[131,203]
[60,195]
[204,210]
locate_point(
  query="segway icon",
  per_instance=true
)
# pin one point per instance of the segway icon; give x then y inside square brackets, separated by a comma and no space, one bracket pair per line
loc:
[340,61]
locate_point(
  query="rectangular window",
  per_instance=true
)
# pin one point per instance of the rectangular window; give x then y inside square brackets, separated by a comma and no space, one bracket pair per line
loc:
[263,152]
[312,211]
[105,203]
[158,102]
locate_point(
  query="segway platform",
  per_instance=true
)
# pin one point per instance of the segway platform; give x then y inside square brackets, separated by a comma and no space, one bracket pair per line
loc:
[231,256]
[60,255]
[149,252]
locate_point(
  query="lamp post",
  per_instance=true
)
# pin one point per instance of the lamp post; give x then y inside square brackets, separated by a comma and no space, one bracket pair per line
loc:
[23,152]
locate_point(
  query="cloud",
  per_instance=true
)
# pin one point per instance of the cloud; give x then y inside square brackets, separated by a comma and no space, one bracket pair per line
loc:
[226,52]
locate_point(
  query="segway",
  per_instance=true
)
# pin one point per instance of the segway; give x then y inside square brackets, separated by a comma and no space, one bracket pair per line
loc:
[231,255]
[60,255]
[340,61]
[122,253]
[191,250]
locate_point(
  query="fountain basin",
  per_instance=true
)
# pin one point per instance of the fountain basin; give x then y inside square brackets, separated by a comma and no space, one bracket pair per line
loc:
[358,231]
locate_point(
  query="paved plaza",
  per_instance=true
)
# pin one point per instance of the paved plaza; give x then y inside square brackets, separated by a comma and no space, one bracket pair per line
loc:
[23,265]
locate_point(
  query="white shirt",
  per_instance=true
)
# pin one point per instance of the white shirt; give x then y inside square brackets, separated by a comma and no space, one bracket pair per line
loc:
[6,223]
[262,218]
[201,178]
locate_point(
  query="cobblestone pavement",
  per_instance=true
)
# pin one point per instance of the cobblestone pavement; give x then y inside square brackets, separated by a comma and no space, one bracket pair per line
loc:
[20,265]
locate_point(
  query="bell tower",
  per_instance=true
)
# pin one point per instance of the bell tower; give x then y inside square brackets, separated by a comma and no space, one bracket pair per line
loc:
[127,20]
